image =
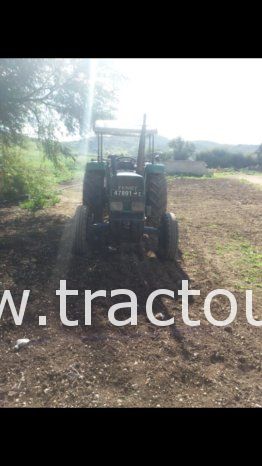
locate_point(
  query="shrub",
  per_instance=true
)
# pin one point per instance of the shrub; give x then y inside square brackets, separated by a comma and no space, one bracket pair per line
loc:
[220,158]
[20,179]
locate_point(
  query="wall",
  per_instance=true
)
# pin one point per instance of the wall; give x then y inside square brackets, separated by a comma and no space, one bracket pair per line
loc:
[186,167]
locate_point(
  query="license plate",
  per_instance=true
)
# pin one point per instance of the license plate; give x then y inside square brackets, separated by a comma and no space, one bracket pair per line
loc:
[127,191]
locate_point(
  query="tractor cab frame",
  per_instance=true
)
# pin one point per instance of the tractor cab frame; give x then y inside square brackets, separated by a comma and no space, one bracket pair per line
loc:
[110,128]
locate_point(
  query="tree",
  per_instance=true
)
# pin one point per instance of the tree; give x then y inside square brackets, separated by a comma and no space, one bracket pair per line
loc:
[182,150]
[259,154]
[221,158]
[53,97]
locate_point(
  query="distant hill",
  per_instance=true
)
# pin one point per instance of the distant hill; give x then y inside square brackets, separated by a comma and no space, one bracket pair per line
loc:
[114,144]
[245,149]
[129,145]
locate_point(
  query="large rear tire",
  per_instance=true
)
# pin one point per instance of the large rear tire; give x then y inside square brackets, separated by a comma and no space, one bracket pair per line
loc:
[80,230]
[93,193]
[168,237]
[156,198]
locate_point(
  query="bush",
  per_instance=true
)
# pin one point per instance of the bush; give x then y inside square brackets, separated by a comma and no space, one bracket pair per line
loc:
[220,158]
[20,179]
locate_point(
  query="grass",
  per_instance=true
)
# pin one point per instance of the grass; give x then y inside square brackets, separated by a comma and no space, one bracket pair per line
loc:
[191,177]
[242,256]
[230,172]
[223,174]
[218,174]
[25,173]
[189,254]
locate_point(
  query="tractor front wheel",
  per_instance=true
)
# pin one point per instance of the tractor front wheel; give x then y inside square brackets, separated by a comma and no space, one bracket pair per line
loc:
[168,237]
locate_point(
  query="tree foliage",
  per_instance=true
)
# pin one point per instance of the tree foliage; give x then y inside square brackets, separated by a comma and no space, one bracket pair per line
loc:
[182,150]
[53,97]
[259,154]
[220,158]
[47,99]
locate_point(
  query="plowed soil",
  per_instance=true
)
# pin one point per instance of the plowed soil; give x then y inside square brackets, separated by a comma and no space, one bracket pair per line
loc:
[145,365]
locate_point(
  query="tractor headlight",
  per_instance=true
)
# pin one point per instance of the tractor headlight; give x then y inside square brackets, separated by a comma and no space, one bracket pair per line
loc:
[138,206]
[116,206]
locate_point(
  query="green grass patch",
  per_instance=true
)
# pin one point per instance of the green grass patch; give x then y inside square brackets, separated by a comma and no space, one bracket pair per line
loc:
[191,177]
[229,172]
[223,174]
[189,254]
[26,175]
[241,256]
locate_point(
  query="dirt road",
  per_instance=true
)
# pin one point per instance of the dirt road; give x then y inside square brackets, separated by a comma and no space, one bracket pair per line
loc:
[256,179]
[102,365]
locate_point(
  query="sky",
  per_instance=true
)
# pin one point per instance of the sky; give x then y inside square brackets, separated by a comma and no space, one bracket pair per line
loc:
[198,99]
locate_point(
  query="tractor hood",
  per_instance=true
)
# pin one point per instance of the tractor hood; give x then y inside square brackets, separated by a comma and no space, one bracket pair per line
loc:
[128,174]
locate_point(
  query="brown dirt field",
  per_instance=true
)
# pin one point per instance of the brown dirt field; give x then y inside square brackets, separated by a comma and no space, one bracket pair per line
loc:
[102,365]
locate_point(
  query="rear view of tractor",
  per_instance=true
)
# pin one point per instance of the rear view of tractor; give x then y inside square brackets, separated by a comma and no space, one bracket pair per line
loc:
[125,198]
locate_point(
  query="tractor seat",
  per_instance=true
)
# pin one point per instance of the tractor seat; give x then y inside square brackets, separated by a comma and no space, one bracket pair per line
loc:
[125,165]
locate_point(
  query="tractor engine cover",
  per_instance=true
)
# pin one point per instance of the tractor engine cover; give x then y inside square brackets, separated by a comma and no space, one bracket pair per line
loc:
[127,205]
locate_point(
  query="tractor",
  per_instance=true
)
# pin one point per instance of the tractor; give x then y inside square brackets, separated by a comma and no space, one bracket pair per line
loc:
[125,199]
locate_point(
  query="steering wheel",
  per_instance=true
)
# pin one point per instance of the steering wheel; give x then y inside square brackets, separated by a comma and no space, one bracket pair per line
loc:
[125,158]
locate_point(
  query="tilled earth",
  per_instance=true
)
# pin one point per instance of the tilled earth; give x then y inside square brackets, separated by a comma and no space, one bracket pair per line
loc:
[132,366]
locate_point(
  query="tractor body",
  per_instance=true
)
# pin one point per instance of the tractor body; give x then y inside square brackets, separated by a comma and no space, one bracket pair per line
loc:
[123,197]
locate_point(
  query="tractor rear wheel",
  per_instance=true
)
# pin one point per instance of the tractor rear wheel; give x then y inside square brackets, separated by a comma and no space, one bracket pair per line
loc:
[80,231]
[156,198]
[168,237]
[93,193]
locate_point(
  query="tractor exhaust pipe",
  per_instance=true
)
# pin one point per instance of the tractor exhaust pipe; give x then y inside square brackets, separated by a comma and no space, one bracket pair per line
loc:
[141,149]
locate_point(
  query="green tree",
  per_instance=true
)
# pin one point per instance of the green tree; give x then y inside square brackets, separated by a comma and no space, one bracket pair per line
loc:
[259,154]
[221,158]
[53,97]
[182,150]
